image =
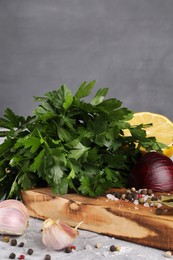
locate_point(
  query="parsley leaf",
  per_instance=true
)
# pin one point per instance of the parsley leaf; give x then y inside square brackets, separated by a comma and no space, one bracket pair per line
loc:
[70,144]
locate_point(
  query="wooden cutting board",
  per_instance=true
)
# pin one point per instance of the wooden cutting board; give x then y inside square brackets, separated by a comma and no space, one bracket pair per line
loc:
[120,219]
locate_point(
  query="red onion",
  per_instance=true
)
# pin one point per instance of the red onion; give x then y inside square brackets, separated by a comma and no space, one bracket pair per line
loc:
[153,171]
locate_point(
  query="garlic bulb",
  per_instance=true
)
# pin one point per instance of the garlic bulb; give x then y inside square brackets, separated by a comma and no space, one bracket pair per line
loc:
[57,235]
[12,203]
[14,217]
[12,221]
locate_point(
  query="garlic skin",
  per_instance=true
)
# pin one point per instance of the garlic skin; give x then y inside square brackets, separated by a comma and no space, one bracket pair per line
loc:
[12,221]
[14,217]
[12,203]
[57,235]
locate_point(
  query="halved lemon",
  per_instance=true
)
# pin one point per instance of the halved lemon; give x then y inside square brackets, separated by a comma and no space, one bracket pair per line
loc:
[161,128]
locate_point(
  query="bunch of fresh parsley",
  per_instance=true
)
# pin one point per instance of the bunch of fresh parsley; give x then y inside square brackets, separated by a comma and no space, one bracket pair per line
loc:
[70,145]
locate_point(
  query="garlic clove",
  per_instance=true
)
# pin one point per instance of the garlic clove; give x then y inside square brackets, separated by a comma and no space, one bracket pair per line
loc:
[57,235]
[12,203]
[12,221]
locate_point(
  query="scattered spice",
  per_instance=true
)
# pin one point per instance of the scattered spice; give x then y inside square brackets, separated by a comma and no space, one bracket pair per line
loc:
[144,191]
[13,242]
[112,248]
[47,257]
[145,197]
[21,257]
[98,245]
[149,192]
[118,248]
[21,244]
[12,256]
[68,249]
[118,195]
[154,198]
[158,211]
[129,196]
[73,247]
[141,200]
[141,196]
[30,251]
[168,254]
[123,196]
[6,239]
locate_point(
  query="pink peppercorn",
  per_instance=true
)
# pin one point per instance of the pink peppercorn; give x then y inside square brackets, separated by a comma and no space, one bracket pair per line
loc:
[21,257]
[139,196]
[73,247]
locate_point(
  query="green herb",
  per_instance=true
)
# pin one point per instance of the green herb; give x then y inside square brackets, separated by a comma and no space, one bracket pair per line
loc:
[70,144]
[167,200]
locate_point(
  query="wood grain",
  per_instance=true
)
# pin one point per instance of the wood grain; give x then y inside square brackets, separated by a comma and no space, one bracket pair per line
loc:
[119,218]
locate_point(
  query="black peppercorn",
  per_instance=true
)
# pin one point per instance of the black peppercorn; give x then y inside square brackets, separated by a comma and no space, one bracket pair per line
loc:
[154,198]
[68,249]
[129,196]
[47,257]
[12,256]
[30,251]
[134,195]
[13,242]
[159,211]
[21,244]
[112,248]
[118,195]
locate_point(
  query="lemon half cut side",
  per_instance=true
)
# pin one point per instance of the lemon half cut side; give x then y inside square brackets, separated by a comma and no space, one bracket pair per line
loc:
[161,128]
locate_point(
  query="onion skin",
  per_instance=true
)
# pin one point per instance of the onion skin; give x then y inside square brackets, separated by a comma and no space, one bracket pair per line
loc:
[153,171]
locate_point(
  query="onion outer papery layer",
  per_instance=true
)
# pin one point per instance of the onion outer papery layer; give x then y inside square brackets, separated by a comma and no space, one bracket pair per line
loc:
[153,171]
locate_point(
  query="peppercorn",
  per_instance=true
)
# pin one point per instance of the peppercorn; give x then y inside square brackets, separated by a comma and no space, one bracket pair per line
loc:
[159,197]
[13,242]
[68,249]
[73,247]
[168,254]
[139,196]
[134,195]
[144,191]
[112,248]
[12,256]
[129,196]
[47,257]
[133,189]
[154,198]
[30,251]
[21,257]
[123,196]
[149,191]
[141,200]
[98,245]
[118,248]
[159,211]
[6,239]
[21,244]
[118,195]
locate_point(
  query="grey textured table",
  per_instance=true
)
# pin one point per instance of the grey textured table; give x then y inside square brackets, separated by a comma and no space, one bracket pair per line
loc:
[85,247]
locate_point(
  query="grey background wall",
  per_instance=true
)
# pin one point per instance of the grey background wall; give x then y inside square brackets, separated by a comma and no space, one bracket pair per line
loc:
[126,45]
